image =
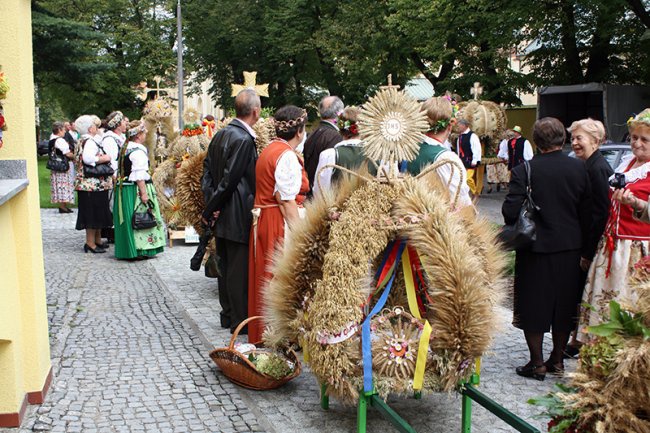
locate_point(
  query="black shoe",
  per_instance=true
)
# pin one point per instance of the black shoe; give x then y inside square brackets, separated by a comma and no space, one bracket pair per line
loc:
[555,369]
[95,250]
[537,372]
[243,331]
[225,322]
[103,246]
[65,210]
[571,352]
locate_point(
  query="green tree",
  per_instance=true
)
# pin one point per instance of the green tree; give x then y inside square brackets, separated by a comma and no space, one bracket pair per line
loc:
[90,54]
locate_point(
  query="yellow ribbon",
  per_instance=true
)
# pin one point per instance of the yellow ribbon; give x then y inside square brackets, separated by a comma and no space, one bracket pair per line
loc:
[423,347]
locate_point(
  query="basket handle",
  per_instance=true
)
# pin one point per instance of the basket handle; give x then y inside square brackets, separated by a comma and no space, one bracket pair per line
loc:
[239,328]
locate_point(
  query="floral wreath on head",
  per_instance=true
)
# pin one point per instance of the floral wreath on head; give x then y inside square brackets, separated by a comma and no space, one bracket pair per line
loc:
[444,123]
[285,125]
[643,117]
[115,120]
[347,125]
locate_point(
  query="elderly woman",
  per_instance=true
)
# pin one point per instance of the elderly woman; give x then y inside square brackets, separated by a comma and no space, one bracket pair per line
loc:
[432,149]
[281,186]
[92,192]
[548,277]
[61,182]
[626,239]
[346,153]
[135,192]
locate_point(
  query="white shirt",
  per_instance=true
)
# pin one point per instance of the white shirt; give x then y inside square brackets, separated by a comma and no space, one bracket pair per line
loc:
[90,150]
[247,127]
[139,162]
[112,142]
[60,144]
[445,171]
[475,145]
[503,150]
[328,157]
[288,175]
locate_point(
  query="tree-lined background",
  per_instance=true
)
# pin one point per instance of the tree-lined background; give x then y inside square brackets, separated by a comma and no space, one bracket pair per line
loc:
[89,55]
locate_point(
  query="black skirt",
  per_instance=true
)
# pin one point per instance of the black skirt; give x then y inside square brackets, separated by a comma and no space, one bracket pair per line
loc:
[548,288]
[94,211]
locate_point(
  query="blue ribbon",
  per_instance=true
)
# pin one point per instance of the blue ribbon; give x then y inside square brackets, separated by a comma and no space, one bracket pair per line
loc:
[365,327]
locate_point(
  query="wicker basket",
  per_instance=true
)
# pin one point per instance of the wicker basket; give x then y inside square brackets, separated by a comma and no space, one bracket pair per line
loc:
[236,366]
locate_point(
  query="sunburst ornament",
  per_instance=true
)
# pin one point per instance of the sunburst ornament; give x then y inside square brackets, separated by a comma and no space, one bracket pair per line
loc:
[391,126]
[250,83]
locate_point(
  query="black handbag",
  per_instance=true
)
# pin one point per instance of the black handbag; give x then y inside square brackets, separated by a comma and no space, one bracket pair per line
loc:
[57,162]
[144,220]
[98,170]
[522,234]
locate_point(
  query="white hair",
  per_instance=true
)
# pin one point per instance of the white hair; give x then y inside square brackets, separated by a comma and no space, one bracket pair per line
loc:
[83,123]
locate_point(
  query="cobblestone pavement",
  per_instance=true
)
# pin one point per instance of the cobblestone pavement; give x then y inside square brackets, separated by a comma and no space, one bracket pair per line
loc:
[130,344]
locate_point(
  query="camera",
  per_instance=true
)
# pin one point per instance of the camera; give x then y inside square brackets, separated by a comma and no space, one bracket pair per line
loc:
[618,182]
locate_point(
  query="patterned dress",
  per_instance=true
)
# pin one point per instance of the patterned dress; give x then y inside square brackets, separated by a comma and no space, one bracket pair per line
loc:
[62,183]
[624,243]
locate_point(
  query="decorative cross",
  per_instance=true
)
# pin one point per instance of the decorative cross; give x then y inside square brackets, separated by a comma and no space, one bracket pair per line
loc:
[250,83]
[157,89]
[477,90]
[390,83]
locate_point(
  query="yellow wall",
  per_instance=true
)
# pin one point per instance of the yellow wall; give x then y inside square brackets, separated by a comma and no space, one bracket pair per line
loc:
[24,343]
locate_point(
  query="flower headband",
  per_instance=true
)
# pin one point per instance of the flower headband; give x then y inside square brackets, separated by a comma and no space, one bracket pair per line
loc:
[137,130]
[643,117]
[347,125]
[117,118]
[285,125]
[443,123]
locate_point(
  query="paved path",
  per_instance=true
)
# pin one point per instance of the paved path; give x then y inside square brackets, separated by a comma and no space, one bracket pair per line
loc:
[130,344]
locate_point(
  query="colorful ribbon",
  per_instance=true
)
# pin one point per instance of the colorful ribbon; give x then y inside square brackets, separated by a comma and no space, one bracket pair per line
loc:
[366,343]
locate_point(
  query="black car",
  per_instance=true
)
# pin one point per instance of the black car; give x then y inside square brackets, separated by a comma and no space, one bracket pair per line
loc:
[613,152]
[42,147]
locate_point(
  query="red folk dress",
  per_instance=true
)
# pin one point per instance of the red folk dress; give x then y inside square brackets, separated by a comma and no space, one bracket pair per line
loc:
[267,230]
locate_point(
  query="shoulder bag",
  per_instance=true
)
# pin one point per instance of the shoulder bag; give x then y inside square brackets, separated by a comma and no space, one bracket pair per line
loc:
[98,170]
[56,162]
[143,220]
[522,234]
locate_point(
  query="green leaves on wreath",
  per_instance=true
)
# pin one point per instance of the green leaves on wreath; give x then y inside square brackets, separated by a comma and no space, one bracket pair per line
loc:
[620,322]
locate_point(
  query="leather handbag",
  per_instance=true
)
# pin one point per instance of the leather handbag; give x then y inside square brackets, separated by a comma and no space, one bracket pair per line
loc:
[522,234]
[98,170]
[143,220]
[57,162]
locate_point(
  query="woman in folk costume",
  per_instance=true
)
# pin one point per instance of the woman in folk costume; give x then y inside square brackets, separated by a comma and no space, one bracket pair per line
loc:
[280,188]
[626,239]
[135,192]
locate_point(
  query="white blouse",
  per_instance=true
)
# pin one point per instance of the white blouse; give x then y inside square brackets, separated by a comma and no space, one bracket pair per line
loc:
[139,162]
[288,175]
[90,150]
[60,144]
[445,171]
[328,157]
[111,142]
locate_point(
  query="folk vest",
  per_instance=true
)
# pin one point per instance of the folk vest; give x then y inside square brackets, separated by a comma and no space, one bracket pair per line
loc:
[465,149]
[515,152]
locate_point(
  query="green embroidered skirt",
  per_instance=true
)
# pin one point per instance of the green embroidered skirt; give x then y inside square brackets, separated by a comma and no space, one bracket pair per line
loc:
[129,243]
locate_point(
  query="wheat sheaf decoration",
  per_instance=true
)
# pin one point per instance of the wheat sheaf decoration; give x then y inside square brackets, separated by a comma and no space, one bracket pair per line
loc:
[391,125]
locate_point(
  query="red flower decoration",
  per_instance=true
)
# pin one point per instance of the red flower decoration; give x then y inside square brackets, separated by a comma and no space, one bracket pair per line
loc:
[354,129]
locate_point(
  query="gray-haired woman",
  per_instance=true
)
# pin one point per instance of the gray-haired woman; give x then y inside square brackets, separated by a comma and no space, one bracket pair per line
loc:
[92,192]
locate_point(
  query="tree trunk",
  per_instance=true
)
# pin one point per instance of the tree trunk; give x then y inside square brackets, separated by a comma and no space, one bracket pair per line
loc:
[640,11]
[600,51]
[569,44]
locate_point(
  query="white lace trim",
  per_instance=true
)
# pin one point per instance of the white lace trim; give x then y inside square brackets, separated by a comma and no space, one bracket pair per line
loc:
[634,174]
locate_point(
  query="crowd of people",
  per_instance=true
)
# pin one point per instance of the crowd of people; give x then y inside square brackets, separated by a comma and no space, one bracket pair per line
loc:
[592,229]
[108,167]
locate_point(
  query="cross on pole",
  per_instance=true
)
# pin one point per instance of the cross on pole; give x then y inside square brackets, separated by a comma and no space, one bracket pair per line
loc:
[390,83]
[250,82]
[476,90]
[146,89]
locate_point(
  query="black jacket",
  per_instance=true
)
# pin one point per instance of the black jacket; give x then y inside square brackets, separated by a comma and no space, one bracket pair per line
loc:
[229,181]
[562,190]
[324,137]
[599,172]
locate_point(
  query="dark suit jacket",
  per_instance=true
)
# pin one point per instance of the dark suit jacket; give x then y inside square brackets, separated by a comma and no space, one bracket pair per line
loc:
[324,137]
[562,190]
[229,181]
[599,172]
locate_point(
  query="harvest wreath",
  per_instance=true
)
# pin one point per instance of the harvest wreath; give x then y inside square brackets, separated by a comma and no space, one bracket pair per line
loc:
[386,284]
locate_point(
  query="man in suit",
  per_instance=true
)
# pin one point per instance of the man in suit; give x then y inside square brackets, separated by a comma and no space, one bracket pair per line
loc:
[326,136]
[229,190]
